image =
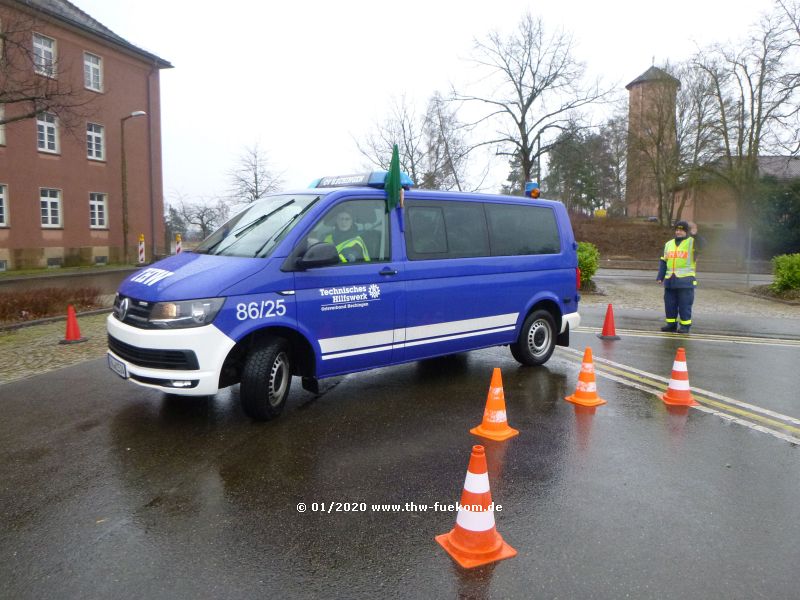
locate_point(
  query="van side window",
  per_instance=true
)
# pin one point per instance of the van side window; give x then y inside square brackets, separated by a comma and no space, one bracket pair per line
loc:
[516,229]
[425,236]
[445,230]
[358,228]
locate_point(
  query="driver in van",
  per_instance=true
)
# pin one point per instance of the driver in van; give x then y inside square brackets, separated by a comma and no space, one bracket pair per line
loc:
[346,238]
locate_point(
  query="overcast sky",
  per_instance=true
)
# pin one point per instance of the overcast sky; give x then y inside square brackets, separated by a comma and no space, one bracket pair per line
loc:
[303,79]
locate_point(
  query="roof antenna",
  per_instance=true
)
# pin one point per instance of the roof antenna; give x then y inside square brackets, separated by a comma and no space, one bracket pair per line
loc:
[654,61]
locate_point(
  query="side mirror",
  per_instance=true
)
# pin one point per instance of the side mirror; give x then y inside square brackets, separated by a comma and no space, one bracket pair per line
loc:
[322,254]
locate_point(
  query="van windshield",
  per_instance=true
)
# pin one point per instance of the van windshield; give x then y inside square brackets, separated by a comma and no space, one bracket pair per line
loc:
[258,228]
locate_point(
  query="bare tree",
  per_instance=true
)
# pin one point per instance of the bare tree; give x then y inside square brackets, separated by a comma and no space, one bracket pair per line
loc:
[615,132]
[433,148]
[696,131]
[755,98]
[791,11]
[400,127]
[538,90]
[205,214]
[32,83]
[447,152]
[251,179]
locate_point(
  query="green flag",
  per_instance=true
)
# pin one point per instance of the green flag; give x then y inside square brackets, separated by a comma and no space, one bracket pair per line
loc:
[394,191]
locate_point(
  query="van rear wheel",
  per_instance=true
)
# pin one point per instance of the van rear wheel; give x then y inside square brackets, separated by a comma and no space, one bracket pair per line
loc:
[266,379]
[537,339]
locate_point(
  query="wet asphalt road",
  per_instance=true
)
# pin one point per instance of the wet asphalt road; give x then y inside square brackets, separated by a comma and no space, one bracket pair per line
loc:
[110,490]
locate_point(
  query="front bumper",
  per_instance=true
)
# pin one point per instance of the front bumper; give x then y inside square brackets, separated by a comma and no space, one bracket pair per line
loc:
[207,344]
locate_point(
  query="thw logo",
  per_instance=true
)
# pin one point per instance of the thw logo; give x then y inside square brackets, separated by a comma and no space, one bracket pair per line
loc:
[151,276]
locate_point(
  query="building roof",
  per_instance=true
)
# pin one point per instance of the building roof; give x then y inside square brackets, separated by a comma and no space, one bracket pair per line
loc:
[67,12]
[653,74]
[784,168]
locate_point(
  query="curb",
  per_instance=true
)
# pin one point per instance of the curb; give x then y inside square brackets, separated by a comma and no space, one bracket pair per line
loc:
[55,275]
[23,324]
[780,300]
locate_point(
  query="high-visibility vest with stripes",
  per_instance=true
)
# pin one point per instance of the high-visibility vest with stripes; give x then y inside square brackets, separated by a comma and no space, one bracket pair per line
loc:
[680,258]
[342,246]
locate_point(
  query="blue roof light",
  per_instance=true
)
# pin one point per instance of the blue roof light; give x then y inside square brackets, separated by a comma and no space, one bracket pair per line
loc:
[374,179]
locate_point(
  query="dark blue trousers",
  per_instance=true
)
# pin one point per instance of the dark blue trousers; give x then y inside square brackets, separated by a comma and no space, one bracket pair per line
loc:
[678,305]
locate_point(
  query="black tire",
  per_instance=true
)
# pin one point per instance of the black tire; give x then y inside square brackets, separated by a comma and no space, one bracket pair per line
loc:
[537,339]
[266,379]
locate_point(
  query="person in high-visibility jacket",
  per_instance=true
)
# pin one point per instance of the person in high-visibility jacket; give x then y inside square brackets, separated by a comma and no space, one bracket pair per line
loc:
[677,272]
[348,242]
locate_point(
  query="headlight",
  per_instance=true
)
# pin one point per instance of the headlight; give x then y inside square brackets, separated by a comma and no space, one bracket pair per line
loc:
[187,313]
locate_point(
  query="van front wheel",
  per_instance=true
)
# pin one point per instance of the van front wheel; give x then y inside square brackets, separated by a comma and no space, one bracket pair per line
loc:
[537,339]
[266,378]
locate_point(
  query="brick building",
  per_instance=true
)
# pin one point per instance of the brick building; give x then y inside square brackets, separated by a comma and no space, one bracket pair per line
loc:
[92,99]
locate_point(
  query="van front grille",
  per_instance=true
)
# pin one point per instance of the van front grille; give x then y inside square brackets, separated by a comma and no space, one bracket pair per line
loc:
[152,358]
[133,312]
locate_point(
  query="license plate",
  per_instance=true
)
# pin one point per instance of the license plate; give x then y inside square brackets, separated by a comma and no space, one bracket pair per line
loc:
[117,366]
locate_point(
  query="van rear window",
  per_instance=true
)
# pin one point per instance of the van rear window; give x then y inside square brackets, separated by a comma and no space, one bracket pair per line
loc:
[516,229]
[436,230]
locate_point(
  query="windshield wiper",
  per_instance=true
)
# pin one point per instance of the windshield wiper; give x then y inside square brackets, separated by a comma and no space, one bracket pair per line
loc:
[260,220]
[210,248]
[276,234]
[249,227]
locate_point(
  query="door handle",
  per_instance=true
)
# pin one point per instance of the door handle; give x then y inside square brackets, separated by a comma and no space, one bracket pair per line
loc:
[387,271]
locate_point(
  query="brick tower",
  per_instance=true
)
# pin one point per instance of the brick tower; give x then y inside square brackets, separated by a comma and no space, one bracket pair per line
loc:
[652,142]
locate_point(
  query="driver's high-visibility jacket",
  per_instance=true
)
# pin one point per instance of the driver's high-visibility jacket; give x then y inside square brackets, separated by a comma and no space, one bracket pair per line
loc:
[342,246]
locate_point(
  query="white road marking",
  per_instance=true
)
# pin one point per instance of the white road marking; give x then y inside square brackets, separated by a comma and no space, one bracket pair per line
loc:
[707,337]
[701,394]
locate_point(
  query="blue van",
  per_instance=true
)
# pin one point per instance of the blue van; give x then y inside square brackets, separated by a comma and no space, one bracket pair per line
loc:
[327,281]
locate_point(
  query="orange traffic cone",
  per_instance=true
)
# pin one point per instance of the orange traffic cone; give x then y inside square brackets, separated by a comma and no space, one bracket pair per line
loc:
[495,424]
[73,335]
[678,391]
[586,391]
[474,540]
[608,333]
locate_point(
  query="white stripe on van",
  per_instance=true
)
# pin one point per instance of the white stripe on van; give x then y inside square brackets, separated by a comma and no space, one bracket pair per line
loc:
[438,329]
[361,340]
[418,343]
[382,341]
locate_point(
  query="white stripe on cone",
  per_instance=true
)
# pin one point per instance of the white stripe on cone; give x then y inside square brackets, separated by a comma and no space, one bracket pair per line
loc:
[586,386]
[496,416]
[475,521]
[477,483]
[679,366]
[679,384]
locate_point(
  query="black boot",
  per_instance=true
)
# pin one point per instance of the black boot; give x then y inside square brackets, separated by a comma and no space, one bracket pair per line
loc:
[670,328]
[684,328]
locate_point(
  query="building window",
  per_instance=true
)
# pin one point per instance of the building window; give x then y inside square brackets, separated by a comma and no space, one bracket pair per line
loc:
[3,209]
[97,211]
[47,131]
[44,55]
[50,202]
[95,141]
[93,72]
